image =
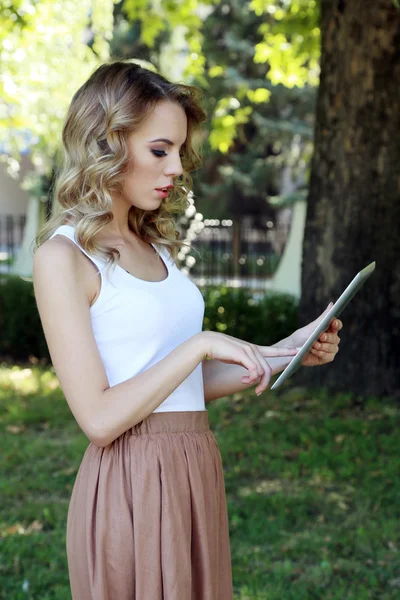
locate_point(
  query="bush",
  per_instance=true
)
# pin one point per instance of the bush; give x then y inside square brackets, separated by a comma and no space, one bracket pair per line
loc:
[21,330]
[228,310]
[237,312]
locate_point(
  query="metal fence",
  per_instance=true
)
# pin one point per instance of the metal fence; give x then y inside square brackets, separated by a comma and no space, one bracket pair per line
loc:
[244,254]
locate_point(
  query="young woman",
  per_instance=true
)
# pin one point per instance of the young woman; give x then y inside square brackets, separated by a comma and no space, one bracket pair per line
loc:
[147,518]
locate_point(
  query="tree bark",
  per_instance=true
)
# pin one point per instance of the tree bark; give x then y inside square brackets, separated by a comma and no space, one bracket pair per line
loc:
[353,212]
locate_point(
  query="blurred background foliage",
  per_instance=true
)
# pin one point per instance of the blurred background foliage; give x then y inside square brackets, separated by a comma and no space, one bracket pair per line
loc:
[257,63]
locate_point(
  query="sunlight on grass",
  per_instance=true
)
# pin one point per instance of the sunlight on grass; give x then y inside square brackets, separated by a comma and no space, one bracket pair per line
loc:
[20,529]
[27,381]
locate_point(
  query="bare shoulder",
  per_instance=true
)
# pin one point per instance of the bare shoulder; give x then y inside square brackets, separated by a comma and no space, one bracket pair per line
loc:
[59,248]
[59,256]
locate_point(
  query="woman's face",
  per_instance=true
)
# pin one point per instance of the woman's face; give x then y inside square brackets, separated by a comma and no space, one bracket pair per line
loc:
[155,164]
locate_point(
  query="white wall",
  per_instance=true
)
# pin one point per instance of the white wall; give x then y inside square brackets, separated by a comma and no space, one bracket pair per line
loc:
[287,277]
[13,200]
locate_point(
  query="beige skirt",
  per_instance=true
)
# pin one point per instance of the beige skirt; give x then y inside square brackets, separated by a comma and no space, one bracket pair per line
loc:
[148,518]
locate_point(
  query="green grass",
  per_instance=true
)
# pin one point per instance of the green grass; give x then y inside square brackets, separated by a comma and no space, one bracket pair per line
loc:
[312,483]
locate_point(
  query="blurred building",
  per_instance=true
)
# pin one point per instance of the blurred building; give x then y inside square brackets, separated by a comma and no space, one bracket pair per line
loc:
[14,203]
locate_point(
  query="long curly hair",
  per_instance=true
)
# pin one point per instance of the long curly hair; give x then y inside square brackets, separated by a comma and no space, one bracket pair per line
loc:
[103,113]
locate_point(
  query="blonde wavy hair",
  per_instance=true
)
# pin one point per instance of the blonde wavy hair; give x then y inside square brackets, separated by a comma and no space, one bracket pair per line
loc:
[103,113]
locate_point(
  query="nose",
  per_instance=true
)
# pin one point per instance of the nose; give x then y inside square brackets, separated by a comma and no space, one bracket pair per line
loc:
[174,167]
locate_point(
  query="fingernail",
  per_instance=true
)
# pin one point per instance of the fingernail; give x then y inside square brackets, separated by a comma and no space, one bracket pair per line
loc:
[336,323]
[259,393]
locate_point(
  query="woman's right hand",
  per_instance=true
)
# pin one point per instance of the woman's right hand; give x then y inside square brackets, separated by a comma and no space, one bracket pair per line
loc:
[231,350]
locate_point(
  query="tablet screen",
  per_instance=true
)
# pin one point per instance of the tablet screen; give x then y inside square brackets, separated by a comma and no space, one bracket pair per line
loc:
[335,311]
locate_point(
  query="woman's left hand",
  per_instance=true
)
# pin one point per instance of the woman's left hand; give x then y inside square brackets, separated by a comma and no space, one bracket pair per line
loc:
[325,348]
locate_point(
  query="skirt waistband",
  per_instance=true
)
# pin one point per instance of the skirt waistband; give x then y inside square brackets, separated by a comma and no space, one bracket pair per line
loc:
[172,422]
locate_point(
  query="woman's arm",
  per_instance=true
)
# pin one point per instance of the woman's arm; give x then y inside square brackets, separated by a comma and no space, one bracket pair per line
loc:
[222,379]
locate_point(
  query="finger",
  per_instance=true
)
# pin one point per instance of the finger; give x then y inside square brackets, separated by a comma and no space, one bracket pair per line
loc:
[322,315]
[273,351]
[329,338]
[335,325]
[250,349]
[268,350]
[251,365]
[338,324]
[326,348]
[265,378]
[323,355]
[321,359]
[264,369]
[328,308]
[247,359]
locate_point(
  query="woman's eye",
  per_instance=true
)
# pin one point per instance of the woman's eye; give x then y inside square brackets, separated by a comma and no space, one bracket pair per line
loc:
[159,153]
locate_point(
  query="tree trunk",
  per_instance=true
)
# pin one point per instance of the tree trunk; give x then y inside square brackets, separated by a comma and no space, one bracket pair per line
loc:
[353,213]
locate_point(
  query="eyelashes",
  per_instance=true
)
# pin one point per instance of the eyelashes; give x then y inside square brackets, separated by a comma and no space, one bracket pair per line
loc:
[161,154]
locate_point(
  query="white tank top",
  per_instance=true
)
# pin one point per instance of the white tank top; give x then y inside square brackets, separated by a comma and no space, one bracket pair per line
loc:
[136,323]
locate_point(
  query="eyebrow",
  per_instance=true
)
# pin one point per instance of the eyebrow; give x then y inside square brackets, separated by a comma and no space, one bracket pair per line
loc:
[164,140]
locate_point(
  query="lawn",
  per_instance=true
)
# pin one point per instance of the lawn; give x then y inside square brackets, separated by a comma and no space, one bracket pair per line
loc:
[312,483]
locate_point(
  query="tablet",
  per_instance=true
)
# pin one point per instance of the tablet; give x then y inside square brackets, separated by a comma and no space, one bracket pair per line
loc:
[335,311]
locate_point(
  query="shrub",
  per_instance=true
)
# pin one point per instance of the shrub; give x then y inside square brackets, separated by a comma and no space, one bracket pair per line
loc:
[237,312]
[20,327]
